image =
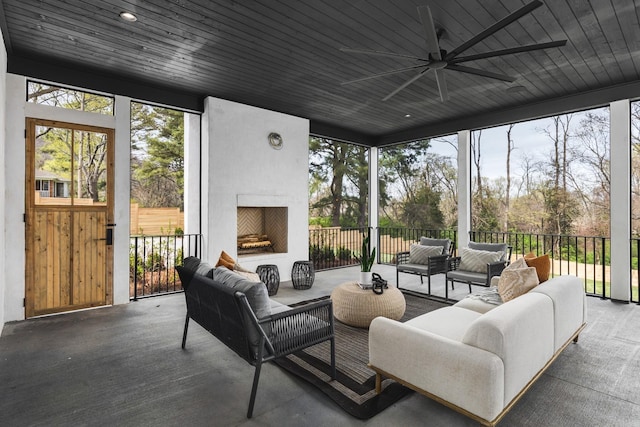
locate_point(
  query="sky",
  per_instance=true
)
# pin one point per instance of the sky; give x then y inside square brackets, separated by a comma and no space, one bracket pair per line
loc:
[528,138]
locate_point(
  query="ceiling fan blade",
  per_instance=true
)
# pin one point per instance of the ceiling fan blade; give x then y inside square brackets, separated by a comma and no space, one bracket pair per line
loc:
[509,51]
[405,84]
[379,53]
[528,8]
[433,47]
[386,73]
[442,85]
[482,73]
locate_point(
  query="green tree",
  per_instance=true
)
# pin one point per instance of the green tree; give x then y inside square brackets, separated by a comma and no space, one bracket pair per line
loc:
[345,168]
[77,155]
[157,156]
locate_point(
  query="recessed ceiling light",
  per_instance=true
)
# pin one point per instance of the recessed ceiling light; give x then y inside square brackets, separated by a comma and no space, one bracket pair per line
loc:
[407,115]
[128,16]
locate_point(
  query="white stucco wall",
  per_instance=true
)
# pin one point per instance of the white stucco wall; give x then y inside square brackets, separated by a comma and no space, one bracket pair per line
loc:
[3,98]
[239,164]
[14,197]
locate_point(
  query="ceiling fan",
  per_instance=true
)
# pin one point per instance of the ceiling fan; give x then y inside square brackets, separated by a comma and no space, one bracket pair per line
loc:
[438,59]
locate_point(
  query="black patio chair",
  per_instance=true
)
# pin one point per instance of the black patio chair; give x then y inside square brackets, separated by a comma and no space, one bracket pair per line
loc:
[456,274]
[227,315]
[435,264]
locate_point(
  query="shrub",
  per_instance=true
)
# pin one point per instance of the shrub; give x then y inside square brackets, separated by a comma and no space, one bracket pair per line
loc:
[154,262]
[321,253]
[344,254]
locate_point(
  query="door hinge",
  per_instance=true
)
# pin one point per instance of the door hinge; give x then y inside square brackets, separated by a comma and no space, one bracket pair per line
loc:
[25,134]
[24,302]
[24,217]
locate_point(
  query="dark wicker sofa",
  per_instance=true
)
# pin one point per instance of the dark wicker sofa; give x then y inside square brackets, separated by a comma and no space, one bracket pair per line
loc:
[227,313]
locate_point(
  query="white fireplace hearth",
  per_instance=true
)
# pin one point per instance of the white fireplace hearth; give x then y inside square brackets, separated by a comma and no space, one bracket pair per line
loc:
[253,189]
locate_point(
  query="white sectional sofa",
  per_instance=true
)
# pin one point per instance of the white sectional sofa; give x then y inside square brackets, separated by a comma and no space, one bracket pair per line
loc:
[479,358]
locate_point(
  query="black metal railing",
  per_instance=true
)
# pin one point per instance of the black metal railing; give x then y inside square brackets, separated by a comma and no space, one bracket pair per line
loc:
[334,247]
[152,260]
[392,240]
[635,269]
[587,257]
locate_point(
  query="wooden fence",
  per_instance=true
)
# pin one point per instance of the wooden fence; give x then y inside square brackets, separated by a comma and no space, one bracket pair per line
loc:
[155,221]
[148,221]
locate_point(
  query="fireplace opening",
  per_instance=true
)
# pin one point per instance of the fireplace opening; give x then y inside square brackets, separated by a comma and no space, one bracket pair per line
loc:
[262,230]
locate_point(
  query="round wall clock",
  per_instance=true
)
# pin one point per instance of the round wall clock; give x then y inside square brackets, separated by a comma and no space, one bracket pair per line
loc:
[275,140]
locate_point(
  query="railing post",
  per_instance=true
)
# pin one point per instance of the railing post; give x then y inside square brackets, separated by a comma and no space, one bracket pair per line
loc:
[637,272]
[135,270]
[604,264]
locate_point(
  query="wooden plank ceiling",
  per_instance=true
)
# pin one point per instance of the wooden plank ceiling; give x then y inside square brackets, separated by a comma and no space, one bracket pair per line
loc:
[285,56]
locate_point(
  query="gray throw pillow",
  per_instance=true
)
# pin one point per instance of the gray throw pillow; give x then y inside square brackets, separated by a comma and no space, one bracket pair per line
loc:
[256,292]
[204,269]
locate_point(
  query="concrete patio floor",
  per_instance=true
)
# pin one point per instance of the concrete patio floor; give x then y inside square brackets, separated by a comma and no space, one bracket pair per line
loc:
[123,366]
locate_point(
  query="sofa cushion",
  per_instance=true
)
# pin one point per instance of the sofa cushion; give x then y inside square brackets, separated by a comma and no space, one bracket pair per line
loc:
[204,269]
[419,254]
[477,260]
[450,322]
[521,333]
[196,266]
[541,263]
[569,305]
[492,247]
[256,292]
[445,243]
[516,282]
[481,301]
[191,263]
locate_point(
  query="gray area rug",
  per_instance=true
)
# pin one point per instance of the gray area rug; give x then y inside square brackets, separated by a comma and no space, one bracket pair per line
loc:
[354,387]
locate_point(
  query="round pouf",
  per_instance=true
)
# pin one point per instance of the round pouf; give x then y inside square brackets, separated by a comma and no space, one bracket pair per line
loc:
[302,274]
[357,307]
[270,276]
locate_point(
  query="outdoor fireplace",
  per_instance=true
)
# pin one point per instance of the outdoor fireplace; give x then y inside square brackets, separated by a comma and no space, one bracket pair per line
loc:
[262,230]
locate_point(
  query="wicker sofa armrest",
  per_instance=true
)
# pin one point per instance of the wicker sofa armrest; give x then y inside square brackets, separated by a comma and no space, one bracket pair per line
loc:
[439,263]
[454,263]
[292,330]
[402,257]
[495,269]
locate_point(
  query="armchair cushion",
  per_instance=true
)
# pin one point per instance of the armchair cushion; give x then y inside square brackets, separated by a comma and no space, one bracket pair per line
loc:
[467,276]
[492,247]
[477,260]
[445,243]
[419,254]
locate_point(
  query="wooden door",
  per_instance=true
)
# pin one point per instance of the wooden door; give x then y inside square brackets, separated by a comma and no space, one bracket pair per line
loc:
[69,252]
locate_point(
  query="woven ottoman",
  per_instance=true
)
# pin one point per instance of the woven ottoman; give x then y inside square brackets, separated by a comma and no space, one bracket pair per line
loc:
[357,307]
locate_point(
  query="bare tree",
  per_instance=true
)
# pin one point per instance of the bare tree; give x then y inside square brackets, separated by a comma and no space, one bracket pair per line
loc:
[591,181]
[510,148]
[560,209]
